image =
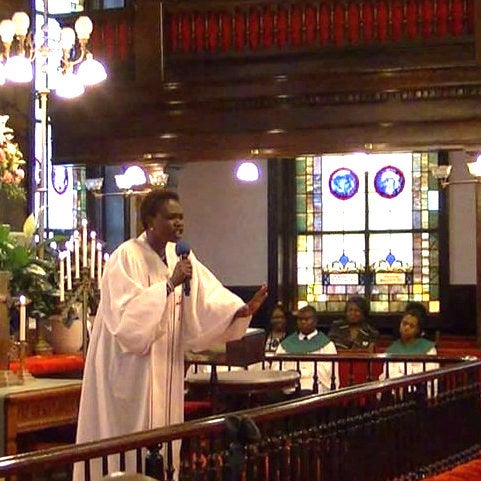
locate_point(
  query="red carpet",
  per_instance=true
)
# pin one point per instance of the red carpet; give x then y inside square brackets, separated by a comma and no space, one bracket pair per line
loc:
[465,472]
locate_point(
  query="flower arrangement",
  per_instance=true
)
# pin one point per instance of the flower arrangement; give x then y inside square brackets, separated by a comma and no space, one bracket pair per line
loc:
[11,161]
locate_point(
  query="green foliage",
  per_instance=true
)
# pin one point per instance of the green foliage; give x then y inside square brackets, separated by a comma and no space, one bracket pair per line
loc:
[29,275]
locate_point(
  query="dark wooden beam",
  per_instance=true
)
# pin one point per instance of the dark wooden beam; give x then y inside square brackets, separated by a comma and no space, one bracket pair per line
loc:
[222,146]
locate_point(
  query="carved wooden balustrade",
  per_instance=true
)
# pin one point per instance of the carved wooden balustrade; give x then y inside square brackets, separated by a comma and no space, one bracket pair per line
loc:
[279,26]
[166,32]
[378,431]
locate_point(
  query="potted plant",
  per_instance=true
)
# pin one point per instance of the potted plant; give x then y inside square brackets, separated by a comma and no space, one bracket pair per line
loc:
[29,275]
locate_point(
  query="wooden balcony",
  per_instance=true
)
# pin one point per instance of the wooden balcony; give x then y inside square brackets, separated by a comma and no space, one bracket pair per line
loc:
[328,437]
[214,80]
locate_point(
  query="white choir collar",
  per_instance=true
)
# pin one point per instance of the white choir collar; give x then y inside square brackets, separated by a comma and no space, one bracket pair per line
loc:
[309,336]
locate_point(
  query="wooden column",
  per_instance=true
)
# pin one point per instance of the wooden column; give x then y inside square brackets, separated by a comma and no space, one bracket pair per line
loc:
[148,33]
[478,263]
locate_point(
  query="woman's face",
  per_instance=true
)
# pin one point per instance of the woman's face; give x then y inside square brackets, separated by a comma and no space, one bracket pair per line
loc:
[354,315]
[409,328]
[278,320]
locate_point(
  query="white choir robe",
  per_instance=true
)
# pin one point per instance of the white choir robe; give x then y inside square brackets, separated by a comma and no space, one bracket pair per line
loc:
[324,369]
[400,369]
[134,371]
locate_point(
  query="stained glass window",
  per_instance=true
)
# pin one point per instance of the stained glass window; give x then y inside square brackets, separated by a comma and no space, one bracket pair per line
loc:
[367,224]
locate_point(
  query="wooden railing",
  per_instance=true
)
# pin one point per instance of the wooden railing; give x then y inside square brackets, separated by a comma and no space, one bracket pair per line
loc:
[211,27]
[377,431]
[347,368]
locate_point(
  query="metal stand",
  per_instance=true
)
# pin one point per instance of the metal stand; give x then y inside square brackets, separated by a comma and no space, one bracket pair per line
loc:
[82,289]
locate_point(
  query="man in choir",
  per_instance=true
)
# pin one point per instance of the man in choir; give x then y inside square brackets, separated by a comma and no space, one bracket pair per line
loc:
[309,340]
[134,369]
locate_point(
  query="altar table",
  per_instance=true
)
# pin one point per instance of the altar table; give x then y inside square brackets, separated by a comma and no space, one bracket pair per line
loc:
[36,405]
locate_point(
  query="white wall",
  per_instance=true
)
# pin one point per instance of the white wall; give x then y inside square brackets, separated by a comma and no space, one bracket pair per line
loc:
[462,222]
[226,221]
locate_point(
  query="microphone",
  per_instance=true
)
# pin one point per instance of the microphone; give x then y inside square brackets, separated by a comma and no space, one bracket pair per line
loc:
[182,250]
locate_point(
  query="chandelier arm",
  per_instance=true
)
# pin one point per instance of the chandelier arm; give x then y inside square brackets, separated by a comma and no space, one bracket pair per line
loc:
[6,49]
[68,63]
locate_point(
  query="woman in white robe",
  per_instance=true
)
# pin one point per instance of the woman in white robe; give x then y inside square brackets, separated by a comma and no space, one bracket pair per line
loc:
[134,369]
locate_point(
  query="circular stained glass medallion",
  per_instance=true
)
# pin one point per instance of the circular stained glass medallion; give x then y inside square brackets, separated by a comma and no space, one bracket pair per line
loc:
[343,183]
[389,182]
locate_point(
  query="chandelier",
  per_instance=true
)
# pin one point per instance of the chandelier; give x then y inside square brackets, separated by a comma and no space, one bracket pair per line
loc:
[62,53]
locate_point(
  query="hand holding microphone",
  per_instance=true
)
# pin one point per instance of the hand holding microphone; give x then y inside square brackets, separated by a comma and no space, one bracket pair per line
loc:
[183,269]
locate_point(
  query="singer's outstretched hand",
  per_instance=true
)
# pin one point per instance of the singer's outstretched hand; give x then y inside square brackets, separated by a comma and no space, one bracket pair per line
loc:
[253,305]
[182,272]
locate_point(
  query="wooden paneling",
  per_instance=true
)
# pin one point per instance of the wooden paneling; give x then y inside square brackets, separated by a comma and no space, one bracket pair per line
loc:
[410,92]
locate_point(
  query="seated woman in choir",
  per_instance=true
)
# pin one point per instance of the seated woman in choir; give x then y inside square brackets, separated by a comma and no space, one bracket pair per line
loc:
[411,342]
[278,329]
[354,331]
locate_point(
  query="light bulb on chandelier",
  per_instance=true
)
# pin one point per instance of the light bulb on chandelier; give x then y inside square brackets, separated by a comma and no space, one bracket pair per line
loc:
[69,86]
[18,69]
[91,71]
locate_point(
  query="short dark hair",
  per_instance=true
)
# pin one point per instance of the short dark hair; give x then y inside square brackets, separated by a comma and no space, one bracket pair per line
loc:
[152,202]
[309,309]
[417,310]
[361,303]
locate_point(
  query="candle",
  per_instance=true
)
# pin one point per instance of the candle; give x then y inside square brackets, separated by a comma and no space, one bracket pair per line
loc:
[22,333]
[99,263]
[61,277]
[93,243]
[84,243]
[76,243]
[68,262]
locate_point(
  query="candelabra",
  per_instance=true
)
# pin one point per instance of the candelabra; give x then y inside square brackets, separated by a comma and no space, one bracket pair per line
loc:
[80,272]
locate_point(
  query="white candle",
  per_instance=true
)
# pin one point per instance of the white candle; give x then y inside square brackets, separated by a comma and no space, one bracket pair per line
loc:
[84,243]
[99,264]
[61,277]
[68,262]
[93,244]
[22,333]
[76,243]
